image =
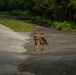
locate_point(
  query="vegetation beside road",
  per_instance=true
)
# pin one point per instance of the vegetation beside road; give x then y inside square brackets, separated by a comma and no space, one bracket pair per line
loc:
[43,21]
[65,25]
[60,14]
[16,25]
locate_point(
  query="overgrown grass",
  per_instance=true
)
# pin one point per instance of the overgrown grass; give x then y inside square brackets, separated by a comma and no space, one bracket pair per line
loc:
[16,25]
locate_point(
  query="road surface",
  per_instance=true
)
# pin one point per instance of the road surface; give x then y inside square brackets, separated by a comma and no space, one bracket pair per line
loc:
[60,59]
[11,50]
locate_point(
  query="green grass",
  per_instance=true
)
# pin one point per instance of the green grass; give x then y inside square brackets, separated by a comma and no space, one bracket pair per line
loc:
[16,25]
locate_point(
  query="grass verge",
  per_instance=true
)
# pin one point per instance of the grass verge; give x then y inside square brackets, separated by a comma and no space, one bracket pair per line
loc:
[16,25]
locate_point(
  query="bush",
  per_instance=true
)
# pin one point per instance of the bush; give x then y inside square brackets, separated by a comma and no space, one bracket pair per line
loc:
[57,25]
[65,25]
[49,23]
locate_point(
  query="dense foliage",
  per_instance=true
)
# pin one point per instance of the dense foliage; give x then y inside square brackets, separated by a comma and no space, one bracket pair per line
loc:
[60,14]
[57,10]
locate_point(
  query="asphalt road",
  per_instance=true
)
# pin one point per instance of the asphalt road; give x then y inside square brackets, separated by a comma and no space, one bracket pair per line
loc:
[60,59]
